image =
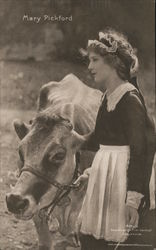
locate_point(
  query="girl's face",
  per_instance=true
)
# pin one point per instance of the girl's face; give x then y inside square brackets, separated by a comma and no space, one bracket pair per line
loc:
[100,70]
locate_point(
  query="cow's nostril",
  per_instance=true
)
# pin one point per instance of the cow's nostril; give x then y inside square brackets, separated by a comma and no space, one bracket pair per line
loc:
[16,203]
[22,204]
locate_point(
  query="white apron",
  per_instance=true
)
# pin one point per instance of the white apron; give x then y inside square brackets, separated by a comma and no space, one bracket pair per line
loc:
[103,209]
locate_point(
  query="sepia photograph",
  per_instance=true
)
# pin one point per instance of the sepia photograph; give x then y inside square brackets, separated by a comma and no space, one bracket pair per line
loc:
[77,125]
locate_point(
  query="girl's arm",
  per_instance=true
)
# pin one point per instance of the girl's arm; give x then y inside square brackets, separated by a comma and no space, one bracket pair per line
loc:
[134,127]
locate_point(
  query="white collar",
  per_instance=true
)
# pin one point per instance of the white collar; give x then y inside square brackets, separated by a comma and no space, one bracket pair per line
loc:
[117,94]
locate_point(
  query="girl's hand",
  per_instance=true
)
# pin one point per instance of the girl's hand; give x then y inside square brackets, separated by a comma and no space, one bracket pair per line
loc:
[81,179]
[132,218]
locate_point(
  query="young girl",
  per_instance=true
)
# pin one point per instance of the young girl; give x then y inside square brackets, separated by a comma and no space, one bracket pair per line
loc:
[118,184]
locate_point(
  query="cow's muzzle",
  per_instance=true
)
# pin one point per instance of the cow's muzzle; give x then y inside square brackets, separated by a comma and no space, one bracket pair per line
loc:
[16,204]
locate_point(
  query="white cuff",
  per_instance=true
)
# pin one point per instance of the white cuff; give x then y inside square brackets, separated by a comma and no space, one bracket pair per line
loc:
[133,199]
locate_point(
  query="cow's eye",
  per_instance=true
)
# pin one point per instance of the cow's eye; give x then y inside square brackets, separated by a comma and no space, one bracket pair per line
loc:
[54,159]
[59,156]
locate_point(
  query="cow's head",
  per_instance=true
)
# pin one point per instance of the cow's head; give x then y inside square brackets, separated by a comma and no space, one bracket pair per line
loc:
[47,147]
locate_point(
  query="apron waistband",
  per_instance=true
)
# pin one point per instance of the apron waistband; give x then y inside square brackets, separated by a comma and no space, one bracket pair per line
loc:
[115,147]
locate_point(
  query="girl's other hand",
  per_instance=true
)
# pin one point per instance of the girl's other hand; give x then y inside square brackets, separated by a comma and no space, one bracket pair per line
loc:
[132,218]
[81,179]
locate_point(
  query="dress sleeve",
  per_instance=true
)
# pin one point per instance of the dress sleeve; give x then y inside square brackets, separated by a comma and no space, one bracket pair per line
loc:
[134,127]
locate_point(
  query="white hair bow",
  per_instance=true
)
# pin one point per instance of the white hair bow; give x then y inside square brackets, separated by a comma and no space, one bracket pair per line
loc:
[112,48]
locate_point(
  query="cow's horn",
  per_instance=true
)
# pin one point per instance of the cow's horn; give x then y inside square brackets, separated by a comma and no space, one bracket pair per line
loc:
[78,140]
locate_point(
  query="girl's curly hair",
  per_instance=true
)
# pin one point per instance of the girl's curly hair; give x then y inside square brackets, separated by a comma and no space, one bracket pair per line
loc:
[124,59]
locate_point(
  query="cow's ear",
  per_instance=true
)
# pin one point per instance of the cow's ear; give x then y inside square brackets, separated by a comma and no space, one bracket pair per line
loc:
[21,128]
[77,140]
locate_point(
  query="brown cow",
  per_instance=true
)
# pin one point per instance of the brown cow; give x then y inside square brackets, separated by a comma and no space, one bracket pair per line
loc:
[66,110]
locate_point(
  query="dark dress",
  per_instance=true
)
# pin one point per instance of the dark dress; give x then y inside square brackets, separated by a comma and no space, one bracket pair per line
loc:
[128,124]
